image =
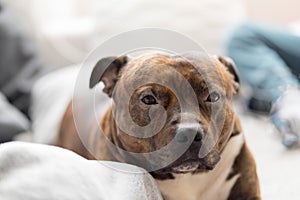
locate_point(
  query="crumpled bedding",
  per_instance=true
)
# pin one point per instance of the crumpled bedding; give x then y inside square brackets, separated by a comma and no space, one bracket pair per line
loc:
[35,171]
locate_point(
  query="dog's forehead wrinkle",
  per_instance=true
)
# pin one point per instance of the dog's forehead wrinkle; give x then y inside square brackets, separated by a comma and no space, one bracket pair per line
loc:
[202,61]
[147,63]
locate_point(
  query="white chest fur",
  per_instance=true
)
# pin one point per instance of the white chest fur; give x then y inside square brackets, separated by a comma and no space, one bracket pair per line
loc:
[208,186]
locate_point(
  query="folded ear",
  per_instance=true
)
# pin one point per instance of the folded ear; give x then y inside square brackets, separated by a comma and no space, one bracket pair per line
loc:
[229,64]
[107,70]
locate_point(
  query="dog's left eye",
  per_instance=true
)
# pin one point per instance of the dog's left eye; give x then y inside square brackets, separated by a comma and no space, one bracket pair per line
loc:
[213,97]
[149,100]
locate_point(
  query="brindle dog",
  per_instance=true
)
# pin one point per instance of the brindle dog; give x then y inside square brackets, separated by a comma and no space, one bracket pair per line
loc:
[227,171]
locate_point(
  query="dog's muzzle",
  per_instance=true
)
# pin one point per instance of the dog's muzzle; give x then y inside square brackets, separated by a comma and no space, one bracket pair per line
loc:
[190,160]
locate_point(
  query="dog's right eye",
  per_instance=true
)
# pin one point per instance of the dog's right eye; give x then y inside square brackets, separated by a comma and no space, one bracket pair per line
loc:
[213,97]
[149,100]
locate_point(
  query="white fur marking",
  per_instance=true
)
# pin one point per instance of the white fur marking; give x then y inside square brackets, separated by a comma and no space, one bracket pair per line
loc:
[188,125]
[208,186]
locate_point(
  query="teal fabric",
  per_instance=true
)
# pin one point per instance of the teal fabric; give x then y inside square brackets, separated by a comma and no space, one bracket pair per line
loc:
[267,57]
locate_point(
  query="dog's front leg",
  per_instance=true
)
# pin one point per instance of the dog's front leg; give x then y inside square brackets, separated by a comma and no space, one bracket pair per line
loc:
[247,185]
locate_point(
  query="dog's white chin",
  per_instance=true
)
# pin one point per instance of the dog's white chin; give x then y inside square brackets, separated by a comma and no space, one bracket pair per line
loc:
[186,167]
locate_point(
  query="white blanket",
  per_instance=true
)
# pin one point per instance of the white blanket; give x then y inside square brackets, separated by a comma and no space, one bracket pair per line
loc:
[36,171]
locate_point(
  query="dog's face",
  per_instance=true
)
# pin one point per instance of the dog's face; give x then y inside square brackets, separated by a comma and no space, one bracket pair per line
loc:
[171,98]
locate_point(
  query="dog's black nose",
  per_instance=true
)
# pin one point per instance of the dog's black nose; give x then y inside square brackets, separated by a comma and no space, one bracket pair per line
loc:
[188,133]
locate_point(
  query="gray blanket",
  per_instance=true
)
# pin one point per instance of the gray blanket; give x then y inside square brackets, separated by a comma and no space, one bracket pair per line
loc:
[19,68]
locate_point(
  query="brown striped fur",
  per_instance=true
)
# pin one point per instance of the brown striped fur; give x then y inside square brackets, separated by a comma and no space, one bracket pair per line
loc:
[124,75]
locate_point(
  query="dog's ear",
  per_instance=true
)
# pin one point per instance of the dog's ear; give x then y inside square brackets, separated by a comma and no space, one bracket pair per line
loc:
[107,70]
[229,64]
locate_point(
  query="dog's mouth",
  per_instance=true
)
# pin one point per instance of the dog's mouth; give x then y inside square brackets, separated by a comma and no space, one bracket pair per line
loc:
[193,165]
[185,167]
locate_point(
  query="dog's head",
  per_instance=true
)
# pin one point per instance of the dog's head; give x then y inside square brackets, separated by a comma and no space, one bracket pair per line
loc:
[158,98]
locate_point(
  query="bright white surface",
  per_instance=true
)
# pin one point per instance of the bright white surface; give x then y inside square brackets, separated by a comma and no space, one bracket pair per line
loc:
[295,28]
[35,172]
[50,97]
[67,30]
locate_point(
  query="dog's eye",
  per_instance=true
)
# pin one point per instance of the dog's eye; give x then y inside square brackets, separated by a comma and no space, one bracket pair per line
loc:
[149,100]
[213,97]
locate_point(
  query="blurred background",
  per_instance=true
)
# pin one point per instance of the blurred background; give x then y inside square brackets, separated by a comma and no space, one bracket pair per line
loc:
[66,30]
